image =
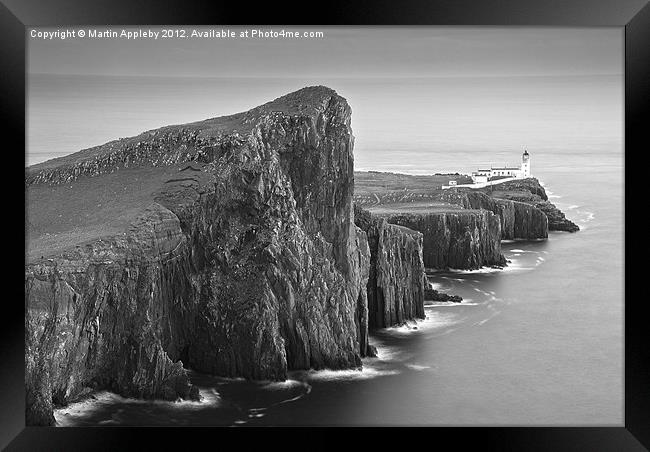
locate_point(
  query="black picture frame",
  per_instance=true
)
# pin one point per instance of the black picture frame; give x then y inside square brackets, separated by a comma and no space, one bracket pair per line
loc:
[16,16]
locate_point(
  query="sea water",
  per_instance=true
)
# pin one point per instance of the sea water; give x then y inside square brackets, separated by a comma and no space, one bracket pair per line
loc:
[537,343]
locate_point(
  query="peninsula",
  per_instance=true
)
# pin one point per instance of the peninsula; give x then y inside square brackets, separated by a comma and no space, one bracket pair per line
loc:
[239,246]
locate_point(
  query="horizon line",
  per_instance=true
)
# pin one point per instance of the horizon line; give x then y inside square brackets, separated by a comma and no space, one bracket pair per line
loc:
[336,77]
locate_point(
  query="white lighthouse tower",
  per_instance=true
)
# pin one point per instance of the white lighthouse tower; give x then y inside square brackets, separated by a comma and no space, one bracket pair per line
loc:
[525,164]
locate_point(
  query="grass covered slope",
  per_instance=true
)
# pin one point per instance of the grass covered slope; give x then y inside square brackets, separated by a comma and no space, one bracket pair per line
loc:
[64,215]
[123,151]
[98,192]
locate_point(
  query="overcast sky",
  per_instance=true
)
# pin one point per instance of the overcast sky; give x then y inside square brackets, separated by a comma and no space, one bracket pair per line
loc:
[412,89]
[346,52]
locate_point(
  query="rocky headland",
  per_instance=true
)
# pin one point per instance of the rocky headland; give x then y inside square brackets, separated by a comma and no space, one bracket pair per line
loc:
[529,191]
[227,246]
[232,246]
[462,227]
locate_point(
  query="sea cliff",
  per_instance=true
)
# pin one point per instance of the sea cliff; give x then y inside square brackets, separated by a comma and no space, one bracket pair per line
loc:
[530,191]
[519,220]
[461,239]
[247,263]
[397,279]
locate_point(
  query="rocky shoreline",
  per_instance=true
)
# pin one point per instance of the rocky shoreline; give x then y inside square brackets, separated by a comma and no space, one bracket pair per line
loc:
[530,192]
[434,295]
[251,260]
[463,227]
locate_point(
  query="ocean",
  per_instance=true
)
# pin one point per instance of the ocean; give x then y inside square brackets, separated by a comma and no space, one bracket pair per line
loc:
[538,343]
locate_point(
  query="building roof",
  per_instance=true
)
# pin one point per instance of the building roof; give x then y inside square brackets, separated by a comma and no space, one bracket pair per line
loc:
[506,168]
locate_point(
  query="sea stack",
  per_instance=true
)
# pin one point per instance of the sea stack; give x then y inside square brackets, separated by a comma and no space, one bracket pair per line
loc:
[397,281]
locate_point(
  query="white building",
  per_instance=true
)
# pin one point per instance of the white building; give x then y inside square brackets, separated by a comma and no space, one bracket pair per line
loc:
[484,175]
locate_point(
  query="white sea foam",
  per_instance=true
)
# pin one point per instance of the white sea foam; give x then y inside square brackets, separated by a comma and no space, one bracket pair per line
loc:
[587,217]
[484,321]
[451,304]
[282,385]
[440,303]
[516,266]
[66,415]
[435,285]
[435,320]
[349,374]
[417,367]
[389,354]
[108,422]
[373,367]
[228,379]
[461,280]
[481,270]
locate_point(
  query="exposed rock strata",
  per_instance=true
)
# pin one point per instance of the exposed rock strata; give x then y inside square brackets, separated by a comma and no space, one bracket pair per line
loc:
[531,192]
[462,239]
[522,221]
[397,278]
[251,267]
[434,295]
[96,317]
[519,220]
[557,221]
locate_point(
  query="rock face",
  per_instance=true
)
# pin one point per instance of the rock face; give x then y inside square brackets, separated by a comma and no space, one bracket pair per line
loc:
[522,221]
[397,278]
[519,220]
[557,221]
[530,191]
[94,317]
[462,239]
[434,295]
[248,264]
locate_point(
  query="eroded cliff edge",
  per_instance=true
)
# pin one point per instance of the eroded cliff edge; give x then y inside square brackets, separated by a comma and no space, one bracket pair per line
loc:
[461,239]
[519,220]
[458,223]
[397,280]
[246,263]
[529,191]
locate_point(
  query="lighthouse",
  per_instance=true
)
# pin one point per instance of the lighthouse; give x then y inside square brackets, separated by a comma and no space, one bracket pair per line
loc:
[504,172]
[525,164]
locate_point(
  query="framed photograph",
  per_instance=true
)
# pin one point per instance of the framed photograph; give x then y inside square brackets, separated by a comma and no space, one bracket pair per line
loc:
[372,217]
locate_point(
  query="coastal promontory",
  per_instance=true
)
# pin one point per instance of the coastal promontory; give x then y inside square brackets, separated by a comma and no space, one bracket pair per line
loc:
[227,246]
